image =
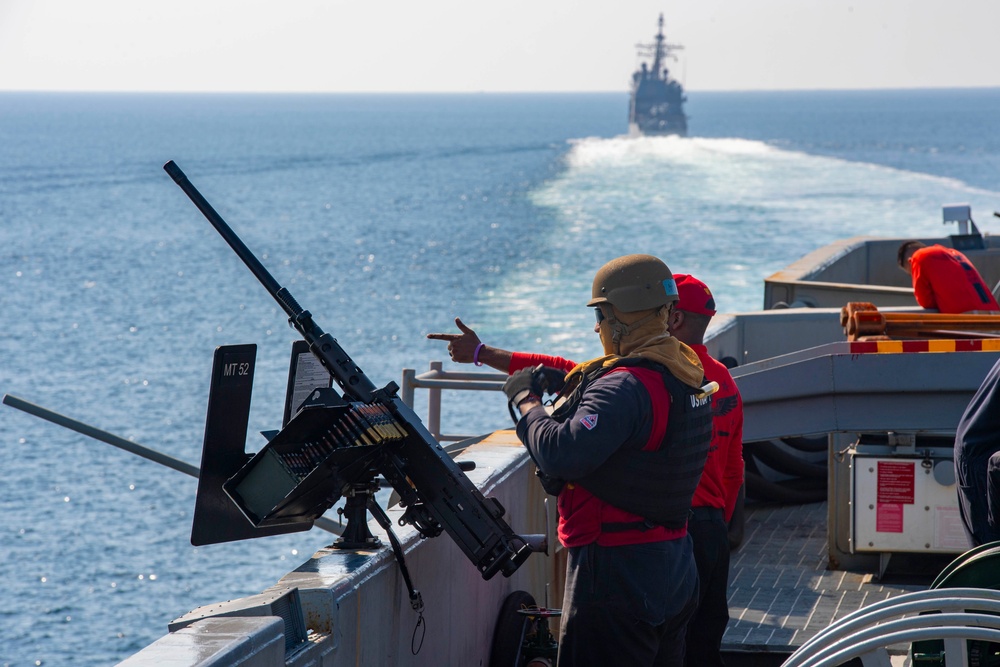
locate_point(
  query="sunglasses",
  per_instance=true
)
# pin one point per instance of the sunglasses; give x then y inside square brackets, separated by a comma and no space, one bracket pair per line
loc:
[599,314]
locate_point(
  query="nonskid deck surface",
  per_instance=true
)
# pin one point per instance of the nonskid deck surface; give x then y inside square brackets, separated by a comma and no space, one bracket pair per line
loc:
[781,591]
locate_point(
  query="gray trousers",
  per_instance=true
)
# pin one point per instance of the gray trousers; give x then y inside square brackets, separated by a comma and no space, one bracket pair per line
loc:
[628,605]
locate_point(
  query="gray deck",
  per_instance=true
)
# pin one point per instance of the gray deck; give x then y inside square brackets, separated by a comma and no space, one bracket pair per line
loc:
[780,590]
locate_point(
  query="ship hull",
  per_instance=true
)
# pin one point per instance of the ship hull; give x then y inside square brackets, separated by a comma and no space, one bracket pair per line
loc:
[657,109]
[658,127]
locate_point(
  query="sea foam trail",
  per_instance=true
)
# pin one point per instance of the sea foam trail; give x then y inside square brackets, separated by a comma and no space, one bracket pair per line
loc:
[732,210]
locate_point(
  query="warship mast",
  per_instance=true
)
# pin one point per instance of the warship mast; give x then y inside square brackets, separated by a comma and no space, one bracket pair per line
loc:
[657,100]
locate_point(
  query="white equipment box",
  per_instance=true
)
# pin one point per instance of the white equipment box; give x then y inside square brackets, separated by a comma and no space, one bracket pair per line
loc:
[903,504]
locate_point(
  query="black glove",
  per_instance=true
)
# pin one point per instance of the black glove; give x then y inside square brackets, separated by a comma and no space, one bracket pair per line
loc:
[535,381]
[539,380]
[530,382]
[551,380]
[522,384]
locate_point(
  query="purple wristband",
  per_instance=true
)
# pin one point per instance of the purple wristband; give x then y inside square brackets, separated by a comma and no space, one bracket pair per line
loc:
[475,355]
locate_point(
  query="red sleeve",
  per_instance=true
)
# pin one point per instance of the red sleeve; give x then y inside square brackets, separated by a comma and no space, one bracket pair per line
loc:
[921,286]
[733,478]
[723,473]
[519,360]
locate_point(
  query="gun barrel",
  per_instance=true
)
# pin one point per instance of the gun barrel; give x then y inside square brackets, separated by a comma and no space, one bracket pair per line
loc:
[225,230]
[348,375]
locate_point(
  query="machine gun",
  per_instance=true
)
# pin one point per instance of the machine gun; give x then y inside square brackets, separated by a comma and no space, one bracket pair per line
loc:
[336,445]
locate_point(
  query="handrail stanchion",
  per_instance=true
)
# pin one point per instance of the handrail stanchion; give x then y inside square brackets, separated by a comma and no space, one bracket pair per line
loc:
[406,389]
[434,404]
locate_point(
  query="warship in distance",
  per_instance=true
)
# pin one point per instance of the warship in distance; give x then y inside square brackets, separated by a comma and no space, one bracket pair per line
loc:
[657,104]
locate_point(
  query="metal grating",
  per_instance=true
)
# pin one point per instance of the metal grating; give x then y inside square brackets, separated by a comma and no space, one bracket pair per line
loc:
[780,590]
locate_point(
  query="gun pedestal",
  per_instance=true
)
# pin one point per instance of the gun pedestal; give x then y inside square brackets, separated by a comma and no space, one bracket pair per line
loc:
[356,534]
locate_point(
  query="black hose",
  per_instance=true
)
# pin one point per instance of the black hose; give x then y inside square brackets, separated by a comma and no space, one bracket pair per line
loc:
[790,491]
[782,492]
[810,445]
[782,461]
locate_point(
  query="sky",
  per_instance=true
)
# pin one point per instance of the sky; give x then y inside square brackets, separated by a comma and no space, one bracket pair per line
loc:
[476,46]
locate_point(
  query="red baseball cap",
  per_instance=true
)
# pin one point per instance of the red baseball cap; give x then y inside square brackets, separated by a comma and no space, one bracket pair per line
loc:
[695,297]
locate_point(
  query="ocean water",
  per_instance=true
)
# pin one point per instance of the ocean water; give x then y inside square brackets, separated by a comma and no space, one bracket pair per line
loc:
[386,216]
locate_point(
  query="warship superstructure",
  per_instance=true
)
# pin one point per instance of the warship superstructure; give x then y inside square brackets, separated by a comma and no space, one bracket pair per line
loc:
[657,104]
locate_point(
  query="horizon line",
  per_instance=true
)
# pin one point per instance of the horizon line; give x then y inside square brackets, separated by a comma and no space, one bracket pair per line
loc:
[477,92]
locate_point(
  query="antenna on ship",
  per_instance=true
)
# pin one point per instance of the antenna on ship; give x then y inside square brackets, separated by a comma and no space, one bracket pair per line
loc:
[657,101]
[660,51]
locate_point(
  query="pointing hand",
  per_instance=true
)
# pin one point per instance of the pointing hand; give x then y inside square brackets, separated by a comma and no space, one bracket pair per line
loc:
[461,346]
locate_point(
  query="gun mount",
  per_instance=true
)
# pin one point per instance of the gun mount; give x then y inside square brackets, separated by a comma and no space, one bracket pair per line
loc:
[336,445]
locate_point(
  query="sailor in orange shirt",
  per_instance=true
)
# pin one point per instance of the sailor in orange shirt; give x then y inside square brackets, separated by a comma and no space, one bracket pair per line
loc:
[945,279]
[715,498]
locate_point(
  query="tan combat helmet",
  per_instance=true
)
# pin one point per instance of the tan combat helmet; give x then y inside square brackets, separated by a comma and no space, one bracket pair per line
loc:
[633,283]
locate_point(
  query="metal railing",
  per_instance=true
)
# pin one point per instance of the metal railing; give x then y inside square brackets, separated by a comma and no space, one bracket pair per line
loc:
[434,381]
[950,615]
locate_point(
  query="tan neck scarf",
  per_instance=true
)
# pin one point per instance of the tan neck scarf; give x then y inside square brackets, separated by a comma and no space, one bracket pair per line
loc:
[650,340]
